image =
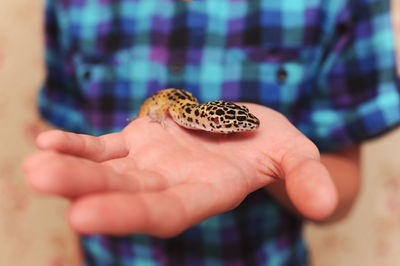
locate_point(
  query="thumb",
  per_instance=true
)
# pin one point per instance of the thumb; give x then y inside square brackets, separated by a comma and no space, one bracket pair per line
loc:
[309,186]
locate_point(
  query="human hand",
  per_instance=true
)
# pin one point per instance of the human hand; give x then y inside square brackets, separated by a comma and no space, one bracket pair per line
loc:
[162,181]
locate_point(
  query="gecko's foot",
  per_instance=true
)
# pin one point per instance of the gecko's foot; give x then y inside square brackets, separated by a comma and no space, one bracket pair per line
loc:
[158,120]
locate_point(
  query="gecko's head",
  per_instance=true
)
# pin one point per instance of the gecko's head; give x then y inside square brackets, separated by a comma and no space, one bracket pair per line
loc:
[227,117]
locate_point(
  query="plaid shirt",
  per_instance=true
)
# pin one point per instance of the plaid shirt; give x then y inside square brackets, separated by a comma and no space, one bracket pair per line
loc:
[329,66]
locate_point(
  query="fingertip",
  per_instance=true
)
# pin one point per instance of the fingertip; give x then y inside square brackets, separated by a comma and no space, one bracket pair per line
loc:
[312,191]
[37,175]
[47,172]
[97,214]
[81,217]
[49,139]
[29,163]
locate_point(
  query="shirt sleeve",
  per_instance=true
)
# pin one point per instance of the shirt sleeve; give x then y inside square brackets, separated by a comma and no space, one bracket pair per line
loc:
[356,96]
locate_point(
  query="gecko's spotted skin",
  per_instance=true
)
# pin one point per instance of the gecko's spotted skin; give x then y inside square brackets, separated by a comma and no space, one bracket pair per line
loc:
[216,116]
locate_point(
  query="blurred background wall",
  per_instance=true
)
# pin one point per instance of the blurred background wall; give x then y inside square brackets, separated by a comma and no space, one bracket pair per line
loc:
[34,233]
[32,229]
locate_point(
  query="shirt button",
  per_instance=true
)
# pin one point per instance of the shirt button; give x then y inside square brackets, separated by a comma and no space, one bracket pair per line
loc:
[281,75]
[87,75]
[342,28]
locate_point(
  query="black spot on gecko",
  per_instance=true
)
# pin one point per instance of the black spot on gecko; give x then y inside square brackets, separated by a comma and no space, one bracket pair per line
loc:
[231,112]
[190,119]
[220,112]
[241,118]
[197,121]
[196,112]
[187,94]
[188,110]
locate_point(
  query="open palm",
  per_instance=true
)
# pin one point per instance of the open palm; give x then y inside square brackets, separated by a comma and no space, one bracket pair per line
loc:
[163,180]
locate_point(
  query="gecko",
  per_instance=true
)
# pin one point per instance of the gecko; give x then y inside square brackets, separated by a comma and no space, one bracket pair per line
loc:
[186,111]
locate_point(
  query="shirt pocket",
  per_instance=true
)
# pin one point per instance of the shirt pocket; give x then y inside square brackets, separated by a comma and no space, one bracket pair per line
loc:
[110,91]
[116,83]
[276,77]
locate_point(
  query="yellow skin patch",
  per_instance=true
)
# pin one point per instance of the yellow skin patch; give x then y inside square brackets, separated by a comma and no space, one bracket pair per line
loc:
[185,110]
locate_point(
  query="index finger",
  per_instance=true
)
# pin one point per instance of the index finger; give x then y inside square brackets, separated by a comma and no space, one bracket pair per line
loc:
[99,149]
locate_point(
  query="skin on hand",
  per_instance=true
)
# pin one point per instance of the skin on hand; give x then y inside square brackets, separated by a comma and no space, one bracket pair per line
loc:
[162,181]
[344,169]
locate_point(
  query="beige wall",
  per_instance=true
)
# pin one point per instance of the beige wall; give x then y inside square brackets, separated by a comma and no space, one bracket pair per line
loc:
[370,235]
[32,227]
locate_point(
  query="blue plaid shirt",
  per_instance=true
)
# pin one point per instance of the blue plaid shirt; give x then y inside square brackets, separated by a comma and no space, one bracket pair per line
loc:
[329,66]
